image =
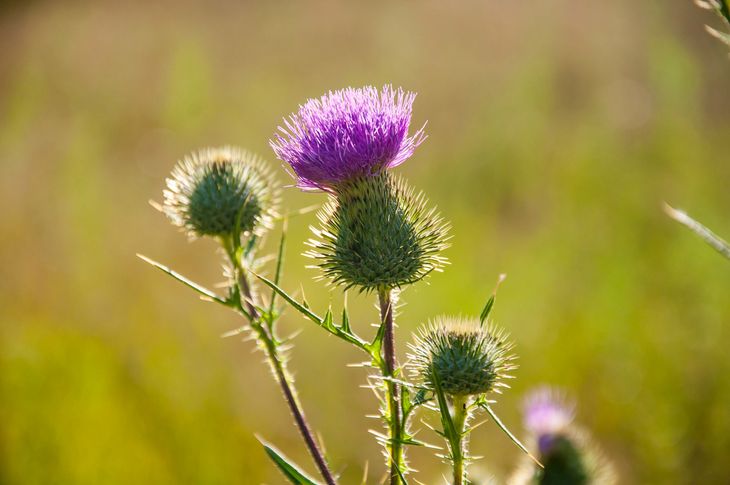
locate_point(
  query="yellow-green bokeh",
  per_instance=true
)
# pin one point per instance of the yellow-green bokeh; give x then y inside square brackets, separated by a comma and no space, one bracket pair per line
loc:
[556,130]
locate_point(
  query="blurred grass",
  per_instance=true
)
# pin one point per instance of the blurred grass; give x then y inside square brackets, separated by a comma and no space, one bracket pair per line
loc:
[555,132]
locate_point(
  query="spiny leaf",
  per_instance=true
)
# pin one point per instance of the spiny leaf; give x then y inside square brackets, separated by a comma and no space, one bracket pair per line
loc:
[500,425]
[289,469]
[325,323]
[187,282]
[302,308]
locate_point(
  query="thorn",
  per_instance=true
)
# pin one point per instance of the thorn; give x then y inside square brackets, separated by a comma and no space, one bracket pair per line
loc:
[156,205]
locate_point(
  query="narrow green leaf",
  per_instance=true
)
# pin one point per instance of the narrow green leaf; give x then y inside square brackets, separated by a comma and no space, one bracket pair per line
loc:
[484,405]
[487,310]
[490,302]
[187,282]
[279,263]
[401,476]
[446,420]
[289,469]
[715,241]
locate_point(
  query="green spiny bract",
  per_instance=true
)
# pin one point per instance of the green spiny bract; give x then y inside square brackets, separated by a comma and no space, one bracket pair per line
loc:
[216,190]
[464,356]
[376,233]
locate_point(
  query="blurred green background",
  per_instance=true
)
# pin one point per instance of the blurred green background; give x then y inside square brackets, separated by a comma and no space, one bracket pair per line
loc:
[556,129]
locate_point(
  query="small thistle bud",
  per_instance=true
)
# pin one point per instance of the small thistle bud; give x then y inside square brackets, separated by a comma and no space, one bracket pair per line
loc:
[465,357]
[215,190]
[377,234]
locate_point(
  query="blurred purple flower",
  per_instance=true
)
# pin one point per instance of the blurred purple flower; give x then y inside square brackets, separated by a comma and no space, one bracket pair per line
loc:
[547,413]
[346,134]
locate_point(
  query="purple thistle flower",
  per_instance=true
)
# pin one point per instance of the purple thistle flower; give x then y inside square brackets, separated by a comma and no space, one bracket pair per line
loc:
[547,413]
[346,134]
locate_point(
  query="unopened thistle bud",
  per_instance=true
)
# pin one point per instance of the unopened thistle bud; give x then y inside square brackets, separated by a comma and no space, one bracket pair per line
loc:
[465,357]
[376,233]
[216,190]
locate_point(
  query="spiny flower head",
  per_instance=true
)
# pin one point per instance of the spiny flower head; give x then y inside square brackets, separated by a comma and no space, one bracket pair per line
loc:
[376,233]
[215,190]
[465,357]
[346,134]
[565,450]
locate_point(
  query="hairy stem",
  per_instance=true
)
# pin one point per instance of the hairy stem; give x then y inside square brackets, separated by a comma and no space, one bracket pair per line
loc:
[278,364]
[458,443]
[392,389]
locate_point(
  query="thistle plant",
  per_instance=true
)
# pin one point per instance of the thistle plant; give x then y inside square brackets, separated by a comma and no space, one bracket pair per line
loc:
[230,195]
[376,234]
[563,448]
[461,361]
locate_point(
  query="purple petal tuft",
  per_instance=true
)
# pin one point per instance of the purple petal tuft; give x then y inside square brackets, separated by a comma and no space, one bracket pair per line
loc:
[346,134]
[547,412]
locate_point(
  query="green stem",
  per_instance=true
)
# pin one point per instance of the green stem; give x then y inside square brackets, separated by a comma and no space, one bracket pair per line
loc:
[458,443]
[265,335]
[396,426]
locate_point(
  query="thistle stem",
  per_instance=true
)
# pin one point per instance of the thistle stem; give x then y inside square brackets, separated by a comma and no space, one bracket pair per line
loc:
[392,389]
[458,443]
[279,367]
